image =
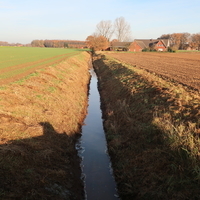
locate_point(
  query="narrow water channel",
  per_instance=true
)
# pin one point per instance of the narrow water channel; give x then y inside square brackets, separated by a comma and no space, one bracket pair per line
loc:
[97,172]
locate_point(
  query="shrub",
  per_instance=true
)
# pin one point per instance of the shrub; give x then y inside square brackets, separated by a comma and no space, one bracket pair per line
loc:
[171,49]
[146,50]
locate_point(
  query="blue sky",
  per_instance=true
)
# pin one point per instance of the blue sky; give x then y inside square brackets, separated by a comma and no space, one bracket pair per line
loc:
[25,20]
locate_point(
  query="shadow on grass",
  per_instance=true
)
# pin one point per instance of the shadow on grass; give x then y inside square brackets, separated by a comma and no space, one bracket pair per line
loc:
[145,164]
[43,167]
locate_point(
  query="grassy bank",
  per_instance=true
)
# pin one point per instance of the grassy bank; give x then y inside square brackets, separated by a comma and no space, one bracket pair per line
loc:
[152,130]
[40,118]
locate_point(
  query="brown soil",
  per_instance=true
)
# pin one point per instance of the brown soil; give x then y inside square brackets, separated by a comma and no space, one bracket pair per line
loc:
[182,67]
[40,120]
[152,130]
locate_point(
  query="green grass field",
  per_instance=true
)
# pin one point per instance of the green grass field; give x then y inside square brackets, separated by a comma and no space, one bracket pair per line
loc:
[10,56]
[24,60]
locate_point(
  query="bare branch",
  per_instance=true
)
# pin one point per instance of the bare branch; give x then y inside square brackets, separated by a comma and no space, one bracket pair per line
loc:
[122,29]
[105,28]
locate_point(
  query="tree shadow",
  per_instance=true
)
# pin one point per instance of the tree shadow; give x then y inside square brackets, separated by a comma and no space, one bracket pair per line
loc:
[145,165]
[42,167]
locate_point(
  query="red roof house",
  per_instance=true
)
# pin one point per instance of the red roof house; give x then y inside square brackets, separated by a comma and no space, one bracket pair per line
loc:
[156,44]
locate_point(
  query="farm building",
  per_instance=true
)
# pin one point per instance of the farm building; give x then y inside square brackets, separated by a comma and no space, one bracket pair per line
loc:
[157,44]
[139,45]
[119,46]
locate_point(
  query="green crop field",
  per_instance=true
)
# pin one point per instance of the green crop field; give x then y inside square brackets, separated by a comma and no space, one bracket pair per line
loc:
[15,61]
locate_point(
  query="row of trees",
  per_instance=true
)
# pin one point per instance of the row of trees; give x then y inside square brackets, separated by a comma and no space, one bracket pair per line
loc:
[183,40]
[59,43]
[105,30]
[2,43]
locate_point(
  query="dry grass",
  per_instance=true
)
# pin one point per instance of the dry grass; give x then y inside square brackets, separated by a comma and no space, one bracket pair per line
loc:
[40,118]
[152,128]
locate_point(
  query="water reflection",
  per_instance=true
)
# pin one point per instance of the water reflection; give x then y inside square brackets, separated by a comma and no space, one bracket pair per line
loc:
[99,183]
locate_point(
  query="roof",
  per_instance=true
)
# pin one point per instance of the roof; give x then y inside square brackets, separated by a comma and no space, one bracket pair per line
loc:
[166,42]
[145,43]
[120,44]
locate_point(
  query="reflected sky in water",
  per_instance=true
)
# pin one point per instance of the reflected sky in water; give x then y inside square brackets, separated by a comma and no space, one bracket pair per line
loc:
[99,183]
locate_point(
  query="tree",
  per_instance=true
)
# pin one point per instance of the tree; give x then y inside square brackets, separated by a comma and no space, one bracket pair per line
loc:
[4,43]
[165,36]
[66,45]
[195,41]
[179,40]
[105,28]
[176,40]
[37,43]
[122,29]
[96,42]
[114,40]
[184,40]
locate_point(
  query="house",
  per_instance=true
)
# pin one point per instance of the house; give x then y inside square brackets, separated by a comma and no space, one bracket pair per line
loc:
[119,46]
[152,44]
[139,45]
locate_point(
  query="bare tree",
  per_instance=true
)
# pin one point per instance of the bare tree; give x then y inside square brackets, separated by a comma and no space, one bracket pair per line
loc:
[122,29]
[37,43]
[105,28]
[176,40]
[184,40]
[180,39]
[196,41]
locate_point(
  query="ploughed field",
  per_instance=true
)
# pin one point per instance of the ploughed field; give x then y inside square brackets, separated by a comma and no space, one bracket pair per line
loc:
[182,67]
[152,125]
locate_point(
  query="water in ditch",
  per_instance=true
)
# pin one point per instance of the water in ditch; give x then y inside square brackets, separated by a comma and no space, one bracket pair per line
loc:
[96,167]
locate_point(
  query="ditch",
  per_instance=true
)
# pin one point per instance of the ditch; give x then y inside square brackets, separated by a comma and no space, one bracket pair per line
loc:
[96,166]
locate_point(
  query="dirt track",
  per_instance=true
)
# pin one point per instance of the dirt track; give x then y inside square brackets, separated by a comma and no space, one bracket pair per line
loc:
[182,67]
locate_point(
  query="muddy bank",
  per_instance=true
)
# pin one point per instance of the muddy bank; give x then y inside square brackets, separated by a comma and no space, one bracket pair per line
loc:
[152,131]
[40,119]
